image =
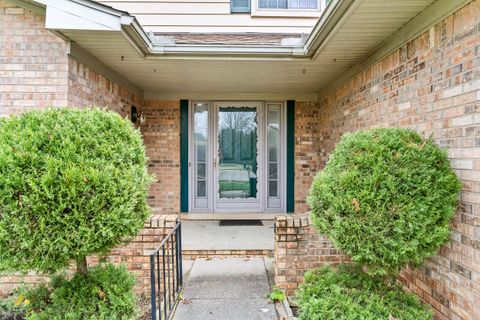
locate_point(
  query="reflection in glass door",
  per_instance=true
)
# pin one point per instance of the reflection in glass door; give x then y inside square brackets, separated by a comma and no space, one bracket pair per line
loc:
[237,153]
[238,182]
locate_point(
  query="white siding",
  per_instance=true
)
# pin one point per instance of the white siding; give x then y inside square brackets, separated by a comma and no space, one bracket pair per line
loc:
[207,16]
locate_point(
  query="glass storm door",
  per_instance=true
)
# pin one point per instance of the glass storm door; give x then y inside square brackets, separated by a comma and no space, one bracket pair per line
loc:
[238,183]
[236,157]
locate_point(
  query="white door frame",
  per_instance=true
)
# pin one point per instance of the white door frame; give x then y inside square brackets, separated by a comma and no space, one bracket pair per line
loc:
[229,206]
[249,204]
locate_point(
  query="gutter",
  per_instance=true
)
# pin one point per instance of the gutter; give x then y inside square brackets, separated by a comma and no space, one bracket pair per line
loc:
[331,20]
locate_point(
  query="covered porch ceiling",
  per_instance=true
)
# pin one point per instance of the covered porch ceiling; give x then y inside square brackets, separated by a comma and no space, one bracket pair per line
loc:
[346,35]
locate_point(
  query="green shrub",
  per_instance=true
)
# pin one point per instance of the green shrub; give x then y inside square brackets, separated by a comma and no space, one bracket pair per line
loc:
[105,293]
[350,294]
[385,198]
[276,295]
[72,183]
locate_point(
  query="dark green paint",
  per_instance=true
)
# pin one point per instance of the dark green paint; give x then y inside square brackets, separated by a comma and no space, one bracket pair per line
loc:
[290,156]
[183,155]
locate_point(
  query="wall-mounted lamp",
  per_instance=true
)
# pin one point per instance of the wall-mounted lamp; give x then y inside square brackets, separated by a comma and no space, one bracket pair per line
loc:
[133,114]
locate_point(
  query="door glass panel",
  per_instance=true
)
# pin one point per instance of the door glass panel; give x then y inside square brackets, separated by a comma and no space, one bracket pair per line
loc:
[272,188]
[272,171]
[201,148]
[201,170]
[201,189]
[237,153]
[273,142]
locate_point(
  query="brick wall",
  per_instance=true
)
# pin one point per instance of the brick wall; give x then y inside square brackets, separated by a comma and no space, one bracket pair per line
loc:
[161,134]
[33,62]
[134,255]
[432,85]
[86,87]
[36,71]
[298,248]
[308,148]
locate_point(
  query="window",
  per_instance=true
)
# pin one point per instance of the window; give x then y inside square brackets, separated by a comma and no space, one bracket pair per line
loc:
[287,4]
[273,149]
[200,153]
[240,6]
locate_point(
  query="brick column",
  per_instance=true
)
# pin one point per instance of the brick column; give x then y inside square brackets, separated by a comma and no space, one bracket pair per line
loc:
[298,248]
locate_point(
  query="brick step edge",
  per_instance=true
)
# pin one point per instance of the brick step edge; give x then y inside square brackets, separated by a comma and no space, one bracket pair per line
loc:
[195,254]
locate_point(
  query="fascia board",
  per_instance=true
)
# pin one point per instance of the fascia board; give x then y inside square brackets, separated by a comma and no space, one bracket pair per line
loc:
[71,15]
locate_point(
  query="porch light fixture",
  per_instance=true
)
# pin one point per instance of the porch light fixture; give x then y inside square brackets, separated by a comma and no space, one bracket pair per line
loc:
[133,114]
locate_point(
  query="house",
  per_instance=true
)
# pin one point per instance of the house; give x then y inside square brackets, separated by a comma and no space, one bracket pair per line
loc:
[240,102]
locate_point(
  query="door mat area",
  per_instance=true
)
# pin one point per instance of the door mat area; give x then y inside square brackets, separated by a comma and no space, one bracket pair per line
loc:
[240,223]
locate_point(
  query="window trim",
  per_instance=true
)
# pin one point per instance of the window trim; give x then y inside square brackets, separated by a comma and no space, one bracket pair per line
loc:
[303,13]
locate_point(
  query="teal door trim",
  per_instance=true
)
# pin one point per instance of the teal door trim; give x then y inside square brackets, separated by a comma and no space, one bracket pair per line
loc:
[183,155]
[290,156]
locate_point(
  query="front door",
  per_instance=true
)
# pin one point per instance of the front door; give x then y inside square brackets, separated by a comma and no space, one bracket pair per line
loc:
[236,157]
[238,183]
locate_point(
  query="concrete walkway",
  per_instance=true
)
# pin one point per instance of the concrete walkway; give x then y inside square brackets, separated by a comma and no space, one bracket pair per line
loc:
[228,289]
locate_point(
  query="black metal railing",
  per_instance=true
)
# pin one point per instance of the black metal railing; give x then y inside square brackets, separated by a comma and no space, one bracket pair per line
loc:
[166,276]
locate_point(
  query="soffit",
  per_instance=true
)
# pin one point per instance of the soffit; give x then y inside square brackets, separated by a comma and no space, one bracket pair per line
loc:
[368,25]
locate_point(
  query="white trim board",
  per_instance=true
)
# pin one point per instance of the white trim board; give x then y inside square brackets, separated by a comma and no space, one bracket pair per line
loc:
[241,96]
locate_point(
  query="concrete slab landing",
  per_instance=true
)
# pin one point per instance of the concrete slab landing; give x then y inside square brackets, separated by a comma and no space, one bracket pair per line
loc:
[208,235]
[227,289]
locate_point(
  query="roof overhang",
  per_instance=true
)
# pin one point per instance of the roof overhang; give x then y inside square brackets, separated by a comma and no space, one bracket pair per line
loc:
[87,15]
[347,33]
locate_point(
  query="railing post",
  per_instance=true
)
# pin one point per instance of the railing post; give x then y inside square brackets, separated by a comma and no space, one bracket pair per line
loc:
[164,284]
[167,288]
[168,278]
[172,252]
[177,265]
[180,253]
[159,283]
[152,284]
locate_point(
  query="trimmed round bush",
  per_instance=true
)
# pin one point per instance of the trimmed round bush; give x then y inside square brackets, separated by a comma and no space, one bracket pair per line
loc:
[350,294]
[105,293]
[385,198]
[72,183]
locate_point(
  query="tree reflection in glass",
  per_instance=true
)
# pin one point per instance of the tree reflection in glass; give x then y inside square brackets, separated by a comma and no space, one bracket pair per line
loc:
[237,153]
